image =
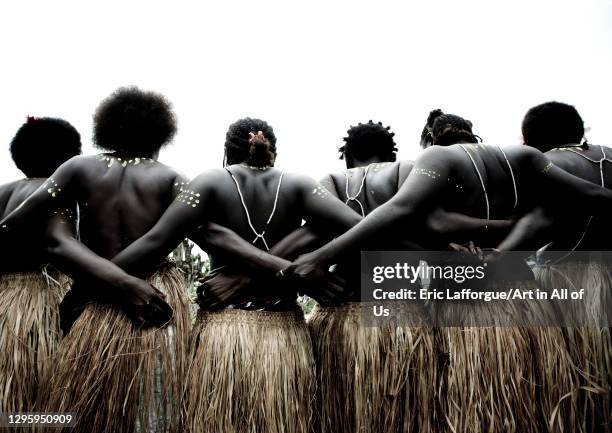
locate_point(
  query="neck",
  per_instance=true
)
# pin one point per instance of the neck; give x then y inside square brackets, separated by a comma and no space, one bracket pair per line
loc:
[129,155]
[364,163]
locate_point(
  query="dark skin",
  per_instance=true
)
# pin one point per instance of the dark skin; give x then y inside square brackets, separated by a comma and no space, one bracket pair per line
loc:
[562,233]
[140,191]
[454,185]
[382,183]
[27,251]
[299,198]
[119,201]
[33,246]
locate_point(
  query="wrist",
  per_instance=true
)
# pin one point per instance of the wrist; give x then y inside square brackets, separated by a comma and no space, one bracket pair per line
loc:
[125,282]
[323,256]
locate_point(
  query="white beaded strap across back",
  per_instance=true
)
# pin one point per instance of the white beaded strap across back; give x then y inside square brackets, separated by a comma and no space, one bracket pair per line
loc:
[257,234]
[354,197]
[482,184]
[600,162]
[512,176]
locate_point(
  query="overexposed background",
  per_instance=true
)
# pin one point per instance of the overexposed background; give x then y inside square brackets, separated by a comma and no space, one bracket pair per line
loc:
[309,68]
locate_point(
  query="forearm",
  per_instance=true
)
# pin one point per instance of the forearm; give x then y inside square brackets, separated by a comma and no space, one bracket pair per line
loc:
[386,217]
[221,241]
[37,204]
[456,227]
[530,232]
[145,254]
[79,262]
[302,240]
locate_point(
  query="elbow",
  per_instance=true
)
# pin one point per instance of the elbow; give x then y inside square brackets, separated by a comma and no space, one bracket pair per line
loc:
[436,223]
[56,246]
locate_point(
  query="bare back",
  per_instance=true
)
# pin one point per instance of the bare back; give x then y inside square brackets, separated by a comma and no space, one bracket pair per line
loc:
[24,250]
[583,234]
[366,188]
[259,192]
[476,180]
[121,199]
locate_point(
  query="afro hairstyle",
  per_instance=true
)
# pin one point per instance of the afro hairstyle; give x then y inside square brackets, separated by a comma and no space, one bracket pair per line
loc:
[134,121]
[551,125]
[367,140]
[42,144]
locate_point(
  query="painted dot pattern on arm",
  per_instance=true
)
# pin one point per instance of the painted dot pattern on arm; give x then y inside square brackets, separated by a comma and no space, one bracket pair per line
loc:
[68,214]
[547,168]
[52,187]
[186,196]
[427,172]
[321,191]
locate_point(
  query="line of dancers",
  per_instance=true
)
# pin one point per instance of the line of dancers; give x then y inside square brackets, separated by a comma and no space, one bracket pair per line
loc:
[95,320]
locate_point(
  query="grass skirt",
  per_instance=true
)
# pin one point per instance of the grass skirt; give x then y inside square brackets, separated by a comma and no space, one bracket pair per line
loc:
[29,334]
[373,379]
[250,372]
[590,346]
[117,378]
[504,378]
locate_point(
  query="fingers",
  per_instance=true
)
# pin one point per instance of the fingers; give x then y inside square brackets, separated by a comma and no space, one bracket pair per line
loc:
[207,300]
[156,313]
[162,313]
[338,280]
[456,247]
[288,272]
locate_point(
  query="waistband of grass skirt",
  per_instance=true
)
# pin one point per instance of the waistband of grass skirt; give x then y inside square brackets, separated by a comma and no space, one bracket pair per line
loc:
[252,316]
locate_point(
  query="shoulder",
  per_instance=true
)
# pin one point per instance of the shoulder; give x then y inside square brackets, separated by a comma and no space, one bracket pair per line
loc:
[8,188]
[169,173]
[208,180]
[438,157]
[560,158]
[403,171]
[300,180]
[6,192]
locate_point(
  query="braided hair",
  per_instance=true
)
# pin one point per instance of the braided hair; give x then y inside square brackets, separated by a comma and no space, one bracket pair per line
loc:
[239,148]
[368,140]
[445,129]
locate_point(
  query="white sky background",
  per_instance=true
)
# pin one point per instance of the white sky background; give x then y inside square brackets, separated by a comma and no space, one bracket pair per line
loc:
[309,68]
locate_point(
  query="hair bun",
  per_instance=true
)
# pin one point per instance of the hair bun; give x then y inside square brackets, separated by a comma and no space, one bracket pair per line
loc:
[433,115]
[260,152]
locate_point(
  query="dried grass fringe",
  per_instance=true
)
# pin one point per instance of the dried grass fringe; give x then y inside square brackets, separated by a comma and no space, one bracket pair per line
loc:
[29,335]
[250,372]
[590,346]
[505,378]
[373,379]
[118,378]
